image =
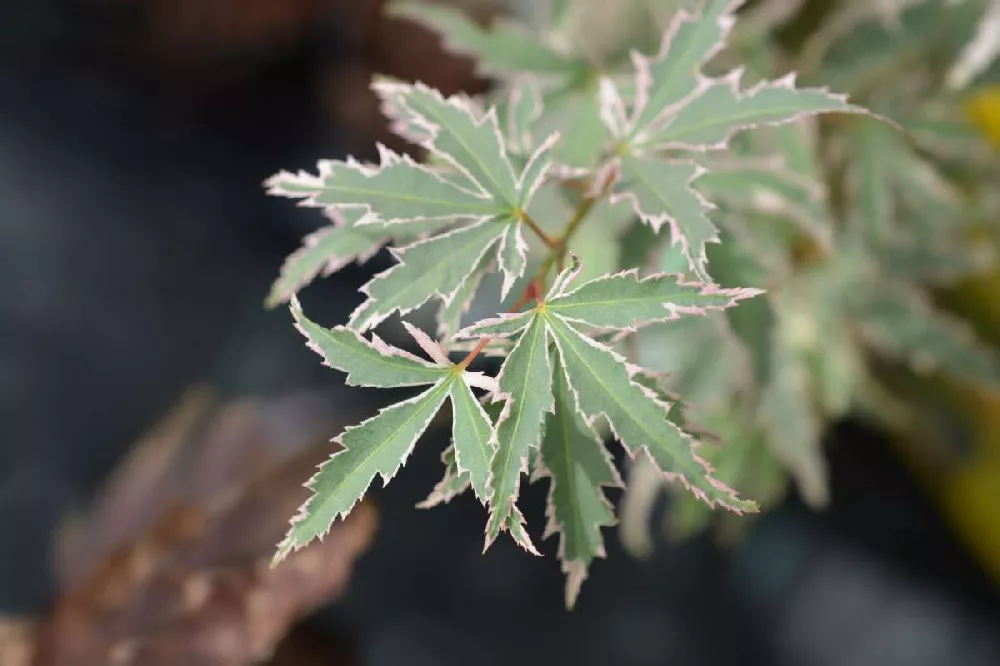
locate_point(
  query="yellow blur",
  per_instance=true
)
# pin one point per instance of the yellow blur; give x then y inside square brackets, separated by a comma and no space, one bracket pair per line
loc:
[967,491]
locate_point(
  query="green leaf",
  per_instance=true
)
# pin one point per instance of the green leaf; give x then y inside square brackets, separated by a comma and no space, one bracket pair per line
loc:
[638,247]
[602,385]
[900,322]
[513,258]
[837,367]
[397,190]
[792,426]
[766,245]
[673,260]
[797,143]
[660,192]
[503,49]
[525,381]
[523,106]
[456,131]
[450,314]
[575,114]
[910,215]
[703,359]
[947,137]
[744,461]
[872,191]
[535,171]
[502,326]
[379,446]
[324,252]
[625,301]
[518,531]
[579,466]
[373,364]
[672,75]
[330,248]
[709,120]
[938,264]
[864,52]
[766,186]
[471,436]
[435,267]
[754,319]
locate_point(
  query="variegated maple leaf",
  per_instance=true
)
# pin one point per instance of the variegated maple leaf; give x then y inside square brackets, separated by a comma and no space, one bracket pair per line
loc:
[381,444]
[505,48]
[479,198]
[675,107]
[651,139]
[597,383]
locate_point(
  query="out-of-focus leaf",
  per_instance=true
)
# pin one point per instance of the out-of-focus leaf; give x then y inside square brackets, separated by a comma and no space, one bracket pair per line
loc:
[500,49]
[902,323]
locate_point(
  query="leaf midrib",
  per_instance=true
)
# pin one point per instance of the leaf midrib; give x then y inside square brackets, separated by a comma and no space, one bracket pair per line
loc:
[395,362]
[622,406]
[732,120]
[498,191]
[470,205]
[400,294]
[508,450]
[468,405]
[640,174]
[690,254]
[571,482]
[676,71]
[494,330]
[554,305]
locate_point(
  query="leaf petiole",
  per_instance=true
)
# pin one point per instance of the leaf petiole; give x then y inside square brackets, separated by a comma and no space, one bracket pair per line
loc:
[531,224]
[557,252]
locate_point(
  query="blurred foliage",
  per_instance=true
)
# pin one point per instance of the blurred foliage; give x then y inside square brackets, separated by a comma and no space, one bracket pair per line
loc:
[859,232]
[876,318]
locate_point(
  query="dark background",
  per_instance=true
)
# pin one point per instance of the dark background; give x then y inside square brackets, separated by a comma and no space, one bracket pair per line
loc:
[136,248]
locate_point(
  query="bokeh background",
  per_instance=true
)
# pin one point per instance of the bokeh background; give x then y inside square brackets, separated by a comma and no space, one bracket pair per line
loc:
[136,249]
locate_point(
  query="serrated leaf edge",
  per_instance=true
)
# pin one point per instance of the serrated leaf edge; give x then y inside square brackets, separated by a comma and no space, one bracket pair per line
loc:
[696,262]
[575,571]
[642,63]
[694,444]
[733,78]
[376,344]
[393,98]
[331,265]
[476,331]
[289,545]
[509,401]
[672,310]
[398,253]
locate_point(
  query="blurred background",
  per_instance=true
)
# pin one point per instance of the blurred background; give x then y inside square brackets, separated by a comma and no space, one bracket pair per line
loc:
[148,400]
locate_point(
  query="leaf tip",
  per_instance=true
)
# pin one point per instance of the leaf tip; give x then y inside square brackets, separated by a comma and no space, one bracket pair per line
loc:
[576,573]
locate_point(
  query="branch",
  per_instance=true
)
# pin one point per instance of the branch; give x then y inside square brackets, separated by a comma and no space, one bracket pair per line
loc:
[557,252]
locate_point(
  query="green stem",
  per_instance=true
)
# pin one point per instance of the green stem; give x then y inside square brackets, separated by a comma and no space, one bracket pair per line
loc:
[557,251]
[531,224]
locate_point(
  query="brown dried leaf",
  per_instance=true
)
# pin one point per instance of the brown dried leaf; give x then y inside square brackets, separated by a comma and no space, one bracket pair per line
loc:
[16,641]
[196,586]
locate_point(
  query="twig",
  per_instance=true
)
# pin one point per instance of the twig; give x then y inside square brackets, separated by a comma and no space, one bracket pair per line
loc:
[557,251]
[531,224]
